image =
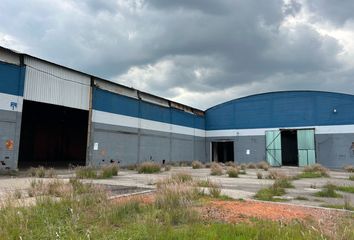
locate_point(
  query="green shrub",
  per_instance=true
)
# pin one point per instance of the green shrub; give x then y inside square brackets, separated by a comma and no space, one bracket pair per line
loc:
[351,177]
[216,169]
[329,190]
[197,165]
[149,167]
[232,172]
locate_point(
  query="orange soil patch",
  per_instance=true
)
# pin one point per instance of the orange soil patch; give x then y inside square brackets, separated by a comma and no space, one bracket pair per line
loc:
[234,211]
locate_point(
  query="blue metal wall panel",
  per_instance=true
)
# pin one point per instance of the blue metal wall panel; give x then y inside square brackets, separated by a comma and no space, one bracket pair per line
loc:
[221,117]
[199,122]
[11,79]
[154,112]
[179,117]
[282,109]
[114,103]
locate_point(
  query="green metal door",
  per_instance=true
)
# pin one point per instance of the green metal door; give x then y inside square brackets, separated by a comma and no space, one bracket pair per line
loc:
[273,147]
[306,147]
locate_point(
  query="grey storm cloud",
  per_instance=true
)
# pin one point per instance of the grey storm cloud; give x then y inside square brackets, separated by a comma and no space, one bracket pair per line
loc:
[185,49]
[337,12]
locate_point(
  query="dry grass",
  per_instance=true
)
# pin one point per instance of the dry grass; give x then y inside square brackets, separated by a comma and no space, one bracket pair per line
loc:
[259,175]
[230,164]
[274,174]
[349,168]
[216,169]
[251,166]
[232,172]
[149,167]
[197,165]
[263,165]
[314,171]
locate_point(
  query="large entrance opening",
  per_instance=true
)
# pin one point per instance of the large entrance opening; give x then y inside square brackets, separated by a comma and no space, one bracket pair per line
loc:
[52,136]
[289,148]
[223,151]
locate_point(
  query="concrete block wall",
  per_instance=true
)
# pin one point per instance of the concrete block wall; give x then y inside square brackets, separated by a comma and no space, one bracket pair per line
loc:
[11,97]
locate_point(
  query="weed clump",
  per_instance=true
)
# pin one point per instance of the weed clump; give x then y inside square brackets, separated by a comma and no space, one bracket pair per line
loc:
[197,165]
[273,174]
[232,172]
[263,165]
[259,175]
[182,177]
[351,177]
[329,190]
[251,166]
[314,171]
[167,168]
[283,183]
[109,171]
[230,164]
[215,190]
[216,169]
[85,172]
[268,194]
[37,172]
[349,168]
[149,167]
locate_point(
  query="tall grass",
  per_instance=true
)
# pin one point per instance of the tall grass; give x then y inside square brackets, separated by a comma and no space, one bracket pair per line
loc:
[216,169]
[197,165]
[89,172]
[232,172]
[149,167]
[86,213]
[314,171]
[329,190]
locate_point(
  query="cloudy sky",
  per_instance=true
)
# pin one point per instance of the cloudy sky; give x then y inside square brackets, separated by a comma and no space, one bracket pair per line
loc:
[197,52]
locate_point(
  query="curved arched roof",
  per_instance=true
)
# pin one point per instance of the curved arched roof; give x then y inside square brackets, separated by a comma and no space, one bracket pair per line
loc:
[282,109]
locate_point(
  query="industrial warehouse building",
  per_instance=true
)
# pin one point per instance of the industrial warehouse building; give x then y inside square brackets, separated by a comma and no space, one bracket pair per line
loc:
[55,116]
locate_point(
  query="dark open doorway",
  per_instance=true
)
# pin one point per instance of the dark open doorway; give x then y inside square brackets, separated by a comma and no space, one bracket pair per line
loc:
[223,152]
[289,152]
[52,136]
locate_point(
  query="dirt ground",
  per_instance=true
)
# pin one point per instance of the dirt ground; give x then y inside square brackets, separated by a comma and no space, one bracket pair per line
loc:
[326,221]
[243,187]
